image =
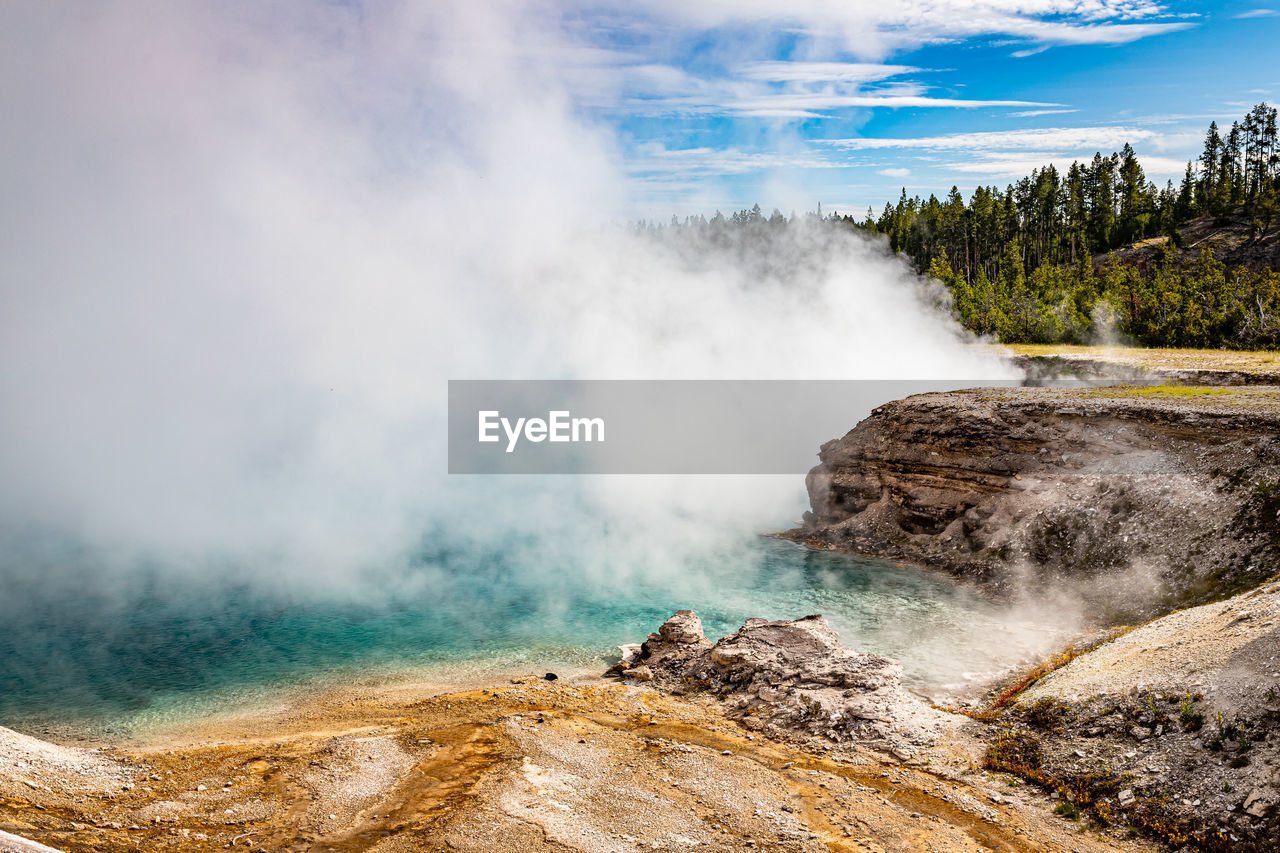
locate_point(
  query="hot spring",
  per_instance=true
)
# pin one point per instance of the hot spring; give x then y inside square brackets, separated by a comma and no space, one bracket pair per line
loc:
[161,655]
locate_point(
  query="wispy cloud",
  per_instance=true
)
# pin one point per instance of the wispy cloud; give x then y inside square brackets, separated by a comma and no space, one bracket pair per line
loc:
[991,153]
[873,28]
[1032,139]
[1008,153]
[1034,113]
[822,72]
[735,98]
[737,82]
[1062,33]
[1156,167]
[812,102]
[1001,167]
[655,158]
[996,165]
[1257,13]
[767,75]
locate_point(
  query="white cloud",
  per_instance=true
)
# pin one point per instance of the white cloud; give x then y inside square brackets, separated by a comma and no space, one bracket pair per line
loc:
[1003,167]
[1034,113]
[780,112]
[1257,13]
[823,101]
[1032,139]
[736,82]
[1157,169]
[822,72]
[1055,32]
[812,104]
[873,29]
[656,158]
[813,86]
[1015,153]
[995,153]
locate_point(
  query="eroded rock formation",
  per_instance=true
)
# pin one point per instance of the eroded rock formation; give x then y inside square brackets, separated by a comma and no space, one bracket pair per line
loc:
[789,676]
[1156,496]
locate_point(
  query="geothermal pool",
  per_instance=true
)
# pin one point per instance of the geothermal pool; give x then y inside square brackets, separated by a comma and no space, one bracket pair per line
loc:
[72,663]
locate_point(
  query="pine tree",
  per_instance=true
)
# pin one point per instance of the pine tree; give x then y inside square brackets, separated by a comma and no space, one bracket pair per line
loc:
[1100,195]
[1230,172]
[1209,163]
[1134,214]
[1186,206]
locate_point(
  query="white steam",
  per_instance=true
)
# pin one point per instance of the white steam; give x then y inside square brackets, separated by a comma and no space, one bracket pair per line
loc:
[245,245]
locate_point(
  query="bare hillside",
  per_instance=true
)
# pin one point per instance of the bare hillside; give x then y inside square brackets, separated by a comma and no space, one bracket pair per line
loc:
[1234,239]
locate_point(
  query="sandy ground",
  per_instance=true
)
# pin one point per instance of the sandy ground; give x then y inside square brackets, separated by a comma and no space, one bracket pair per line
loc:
[589,766]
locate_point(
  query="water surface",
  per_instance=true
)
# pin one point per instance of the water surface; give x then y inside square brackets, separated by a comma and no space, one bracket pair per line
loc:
[71,660]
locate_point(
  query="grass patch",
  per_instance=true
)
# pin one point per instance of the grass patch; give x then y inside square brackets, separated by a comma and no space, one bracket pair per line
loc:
[1192,720]
[1014,752]
[1067,809]
[1046,714]
[1175,391]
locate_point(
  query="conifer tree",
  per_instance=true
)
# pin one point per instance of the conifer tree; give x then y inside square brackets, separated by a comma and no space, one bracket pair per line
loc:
[1209,164]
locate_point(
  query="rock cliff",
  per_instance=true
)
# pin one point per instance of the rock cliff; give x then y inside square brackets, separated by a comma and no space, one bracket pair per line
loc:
[1156,496]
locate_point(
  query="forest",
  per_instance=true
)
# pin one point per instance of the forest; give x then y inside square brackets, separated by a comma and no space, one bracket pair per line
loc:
[1097,254]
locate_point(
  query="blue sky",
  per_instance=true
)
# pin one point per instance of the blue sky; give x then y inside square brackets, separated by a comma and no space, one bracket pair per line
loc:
[718,105]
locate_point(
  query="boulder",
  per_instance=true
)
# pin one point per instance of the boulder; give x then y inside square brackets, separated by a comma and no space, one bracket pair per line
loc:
[791,676]
[639,673]
[1257,803]
[683,627]
[629,651]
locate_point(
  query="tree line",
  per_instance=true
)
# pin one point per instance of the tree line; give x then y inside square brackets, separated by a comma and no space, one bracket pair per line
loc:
[1029,263]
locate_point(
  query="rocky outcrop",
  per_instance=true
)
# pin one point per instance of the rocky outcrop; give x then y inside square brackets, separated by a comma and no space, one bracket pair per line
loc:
[1155,495]
[789,677]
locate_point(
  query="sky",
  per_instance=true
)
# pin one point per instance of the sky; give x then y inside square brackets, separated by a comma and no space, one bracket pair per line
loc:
[721,105]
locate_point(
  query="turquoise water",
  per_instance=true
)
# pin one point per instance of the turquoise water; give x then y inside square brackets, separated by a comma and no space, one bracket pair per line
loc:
[158,653]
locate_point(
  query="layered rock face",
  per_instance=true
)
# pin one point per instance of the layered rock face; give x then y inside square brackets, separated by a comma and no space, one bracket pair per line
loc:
[1150,493]
[789,676]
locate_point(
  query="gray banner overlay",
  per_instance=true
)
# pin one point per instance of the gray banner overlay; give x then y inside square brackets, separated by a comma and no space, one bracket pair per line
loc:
[660,426]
